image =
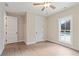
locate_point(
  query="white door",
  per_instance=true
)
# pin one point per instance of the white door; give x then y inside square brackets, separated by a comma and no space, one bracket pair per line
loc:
[11,29]
[39,28]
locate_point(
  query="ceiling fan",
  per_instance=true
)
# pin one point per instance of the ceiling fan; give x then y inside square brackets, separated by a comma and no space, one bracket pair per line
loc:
[45,5]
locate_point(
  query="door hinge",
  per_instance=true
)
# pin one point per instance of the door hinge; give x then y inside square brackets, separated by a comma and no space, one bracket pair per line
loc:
[6,40]
[6,32]
[5,17]
[6,25]
[16,32]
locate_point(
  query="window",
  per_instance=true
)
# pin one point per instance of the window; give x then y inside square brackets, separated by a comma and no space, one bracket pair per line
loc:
[65,29]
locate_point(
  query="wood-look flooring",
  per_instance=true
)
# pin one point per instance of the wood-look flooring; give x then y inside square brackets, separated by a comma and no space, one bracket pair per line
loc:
[38,49]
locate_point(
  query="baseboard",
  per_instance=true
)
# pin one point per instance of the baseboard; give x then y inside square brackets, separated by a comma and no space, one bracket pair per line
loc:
[59,43]
[14,42]
[21,41]
[29,43]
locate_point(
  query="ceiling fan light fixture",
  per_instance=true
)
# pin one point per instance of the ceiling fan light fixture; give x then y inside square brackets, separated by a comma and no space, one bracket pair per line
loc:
[47,5]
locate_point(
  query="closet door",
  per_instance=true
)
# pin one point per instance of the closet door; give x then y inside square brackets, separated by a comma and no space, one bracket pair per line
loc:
[11,30]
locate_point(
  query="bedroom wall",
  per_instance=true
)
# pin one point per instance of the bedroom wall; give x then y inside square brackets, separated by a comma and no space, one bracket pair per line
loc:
[30,28]
[21,28]
[2,17]
[53,29]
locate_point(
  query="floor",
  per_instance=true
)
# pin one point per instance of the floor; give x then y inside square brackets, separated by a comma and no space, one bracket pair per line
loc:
[38,49]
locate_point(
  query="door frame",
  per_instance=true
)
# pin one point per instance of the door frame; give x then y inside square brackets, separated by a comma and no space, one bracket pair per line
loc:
[5,23]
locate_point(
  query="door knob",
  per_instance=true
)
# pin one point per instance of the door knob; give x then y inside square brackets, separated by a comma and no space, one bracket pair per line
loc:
[16,32]
[36,32]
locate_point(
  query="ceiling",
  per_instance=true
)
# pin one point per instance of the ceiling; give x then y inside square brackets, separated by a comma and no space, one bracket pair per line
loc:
[22,7]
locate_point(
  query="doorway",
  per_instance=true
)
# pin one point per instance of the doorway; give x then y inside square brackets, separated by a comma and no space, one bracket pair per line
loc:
[11,29]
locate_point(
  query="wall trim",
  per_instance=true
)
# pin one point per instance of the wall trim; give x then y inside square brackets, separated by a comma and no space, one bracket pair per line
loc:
[62,44]
[29,43]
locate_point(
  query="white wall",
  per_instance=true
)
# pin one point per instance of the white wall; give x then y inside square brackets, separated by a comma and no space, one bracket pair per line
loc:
[53,29]
[21,28]
[30,28]
[2,41]
[46,28]
[25,28]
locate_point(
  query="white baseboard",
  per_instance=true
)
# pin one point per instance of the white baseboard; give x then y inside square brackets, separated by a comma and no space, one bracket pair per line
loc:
[29,43]
[66,45]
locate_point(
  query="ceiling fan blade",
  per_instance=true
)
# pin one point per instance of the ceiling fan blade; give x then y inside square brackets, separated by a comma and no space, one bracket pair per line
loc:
[38,3]
[53,7]
[43,8]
